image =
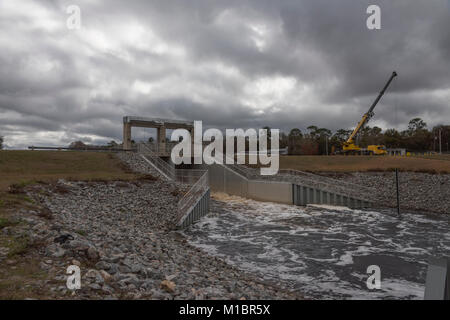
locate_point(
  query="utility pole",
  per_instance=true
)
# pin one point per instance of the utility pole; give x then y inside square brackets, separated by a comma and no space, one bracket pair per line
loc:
[398,193]
[326,143]
[440,141]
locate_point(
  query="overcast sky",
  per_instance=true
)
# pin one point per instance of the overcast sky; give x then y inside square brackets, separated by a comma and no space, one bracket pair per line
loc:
[243,63]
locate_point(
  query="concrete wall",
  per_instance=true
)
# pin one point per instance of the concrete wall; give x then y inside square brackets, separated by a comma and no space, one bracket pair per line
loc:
[200,209]
[273,191]
[303,196]
[224,179]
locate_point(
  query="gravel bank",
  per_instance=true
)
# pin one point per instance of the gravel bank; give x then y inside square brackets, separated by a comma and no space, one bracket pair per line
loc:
[135,162]
[120,236]
[418,191]
[323,182]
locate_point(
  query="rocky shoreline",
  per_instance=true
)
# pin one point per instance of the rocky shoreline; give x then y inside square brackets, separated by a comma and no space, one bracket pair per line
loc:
[418,191]
[424,192]
[121,236]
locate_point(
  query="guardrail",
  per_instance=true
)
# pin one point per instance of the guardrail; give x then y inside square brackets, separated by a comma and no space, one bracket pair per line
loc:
[188,203]
[195,202]
[188,176]
[159,164]
[310,180]
[163,147]
[328,182]
[87,148]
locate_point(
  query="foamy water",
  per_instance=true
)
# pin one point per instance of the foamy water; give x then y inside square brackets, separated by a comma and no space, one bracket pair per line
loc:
[324,252]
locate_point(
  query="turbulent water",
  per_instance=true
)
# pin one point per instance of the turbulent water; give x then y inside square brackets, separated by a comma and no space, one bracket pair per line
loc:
[324,252]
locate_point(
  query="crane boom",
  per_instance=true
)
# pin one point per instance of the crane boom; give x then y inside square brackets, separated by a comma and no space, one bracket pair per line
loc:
[366,117]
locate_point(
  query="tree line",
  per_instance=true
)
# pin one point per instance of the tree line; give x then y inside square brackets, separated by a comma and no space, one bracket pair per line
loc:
[321,141]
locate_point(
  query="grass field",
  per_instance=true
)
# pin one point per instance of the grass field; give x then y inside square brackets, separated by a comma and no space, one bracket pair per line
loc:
[445,157]
[31,166]
[431,164]
[20,275]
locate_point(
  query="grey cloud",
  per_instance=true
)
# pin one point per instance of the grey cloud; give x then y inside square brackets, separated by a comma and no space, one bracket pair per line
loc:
[55,81]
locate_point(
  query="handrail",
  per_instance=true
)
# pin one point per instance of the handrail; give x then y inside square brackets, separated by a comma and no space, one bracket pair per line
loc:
[157,161]
[198,179]
[329,185]
[192,196]
[350,184]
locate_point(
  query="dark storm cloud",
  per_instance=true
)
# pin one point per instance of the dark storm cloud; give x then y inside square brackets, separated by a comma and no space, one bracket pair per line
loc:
[229,63]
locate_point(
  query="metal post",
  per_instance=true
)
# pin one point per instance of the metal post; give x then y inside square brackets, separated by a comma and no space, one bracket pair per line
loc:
[434,142]
[398,195]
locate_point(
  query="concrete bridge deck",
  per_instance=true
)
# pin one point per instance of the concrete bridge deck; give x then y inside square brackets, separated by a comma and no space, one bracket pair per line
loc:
[161,125]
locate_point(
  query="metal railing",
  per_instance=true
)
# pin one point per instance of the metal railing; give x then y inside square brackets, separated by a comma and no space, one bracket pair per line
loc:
[192,196]
[331,185]
[184,176]
[310,180]
[160,164]
[161,148]
[197,179]
[188,176]
[330,181]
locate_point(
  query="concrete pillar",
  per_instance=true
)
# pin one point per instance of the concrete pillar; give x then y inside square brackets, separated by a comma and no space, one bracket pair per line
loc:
[126,136]
[161,138]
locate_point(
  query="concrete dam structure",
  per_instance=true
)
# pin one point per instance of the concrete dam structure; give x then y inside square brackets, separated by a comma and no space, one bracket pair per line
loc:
[234,179]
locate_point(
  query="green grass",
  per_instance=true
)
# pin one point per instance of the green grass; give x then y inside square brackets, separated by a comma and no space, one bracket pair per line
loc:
[18,246]
[81,232]
[23,280]
[4,222]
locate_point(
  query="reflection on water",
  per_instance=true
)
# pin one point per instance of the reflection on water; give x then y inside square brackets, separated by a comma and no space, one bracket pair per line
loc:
[324,252]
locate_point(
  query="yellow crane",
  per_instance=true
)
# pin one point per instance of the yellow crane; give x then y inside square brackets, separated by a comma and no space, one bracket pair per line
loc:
[349,147]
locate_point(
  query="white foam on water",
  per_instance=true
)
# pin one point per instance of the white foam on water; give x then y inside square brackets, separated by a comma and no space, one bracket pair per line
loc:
[402,288]
[345,259]
[314,248]
[329,207]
